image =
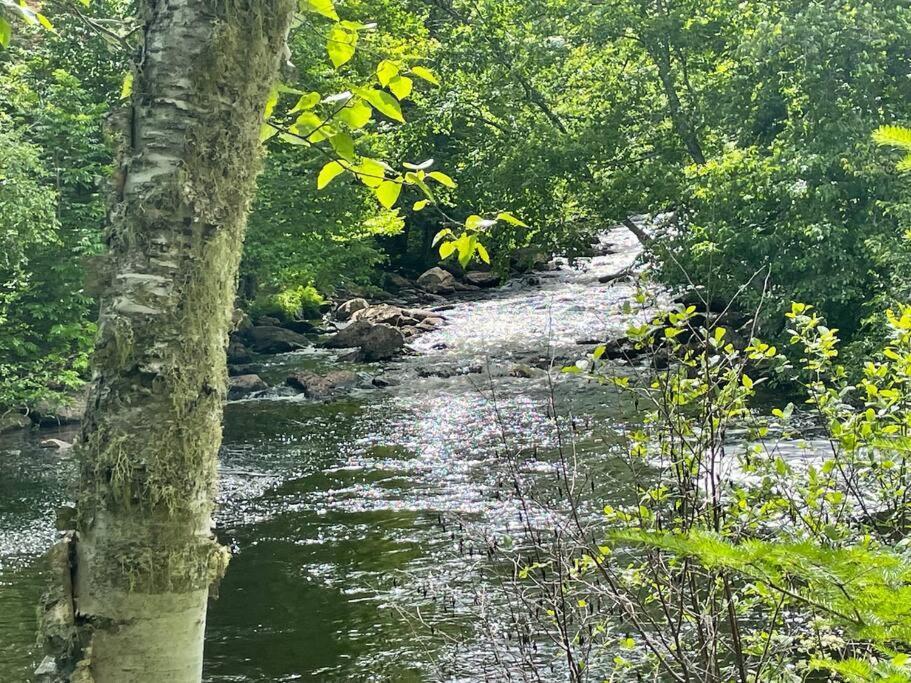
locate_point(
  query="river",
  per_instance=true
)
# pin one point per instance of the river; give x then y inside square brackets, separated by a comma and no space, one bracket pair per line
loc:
[337,512]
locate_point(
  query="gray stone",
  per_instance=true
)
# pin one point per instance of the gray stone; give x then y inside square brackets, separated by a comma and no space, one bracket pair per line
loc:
[55,444]
[376,342]
[349,308]
[272,339]
[437,281]
[244,385]
[321,387]
[12,422]
[382,313]
[483,280]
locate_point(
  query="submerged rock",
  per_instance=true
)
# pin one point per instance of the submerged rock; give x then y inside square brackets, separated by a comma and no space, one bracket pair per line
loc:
[244,385]
[321,387]
[437,281]
[273,339]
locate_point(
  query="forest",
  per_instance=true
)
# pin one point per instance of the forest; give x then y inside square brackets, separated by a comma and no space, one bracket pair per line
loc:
[455,340]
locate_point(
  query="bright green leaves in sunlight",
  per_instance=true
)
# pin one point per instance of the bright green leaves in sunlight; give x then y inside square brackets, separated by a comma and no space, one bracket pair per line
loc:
[898,137]
[341,44]
[328,173]
[388,193]
[426,74]
[6,32]
[383,102]
[10,9]
[323,7]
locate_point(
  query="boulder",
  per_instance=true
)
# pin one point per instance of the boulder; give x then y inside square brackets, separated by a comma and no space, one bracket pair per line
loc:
[523,371]
[321,387]
[68,410]
[375,341]
[527,259]
[381,314]
[244,385]
[240,321]
[349,308]
[437,281]
[382,382]
[12,422]
[268,321]
[238,354]
[55,444]
[301,326]
[273,339]
[396,282]
[481,279]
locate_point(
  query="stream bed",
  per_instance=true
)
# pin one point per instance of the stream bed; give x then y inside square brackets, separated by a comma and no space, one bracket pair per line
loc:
[335,511]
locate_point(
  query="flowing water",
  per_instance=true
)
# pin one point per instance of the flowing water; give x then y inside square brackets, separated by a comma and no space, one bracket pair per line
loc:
[336,512]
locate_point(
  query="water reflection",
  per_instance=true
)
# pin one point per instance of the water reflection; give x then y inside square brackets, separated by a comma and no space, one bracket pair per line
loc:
[334,510]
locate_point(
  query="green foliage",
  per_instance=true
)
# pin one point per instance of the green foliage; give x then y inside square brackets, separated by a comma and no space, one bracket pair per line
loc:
[54,161]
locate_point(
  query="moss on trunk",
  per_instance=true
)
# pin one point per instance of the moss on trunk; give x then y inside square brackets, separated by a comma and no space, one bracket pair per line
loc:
[143,554]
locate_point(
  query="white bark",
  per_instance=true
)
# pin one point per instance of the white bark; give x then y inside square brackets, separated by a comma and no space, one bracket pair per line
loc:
[143,555]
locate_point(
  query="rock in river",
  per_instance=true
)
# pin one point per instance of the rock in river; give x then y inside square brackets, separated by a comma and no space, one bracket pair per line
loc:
[349,308]
[375,341]
[321,387]
[437,281]
[481,279]
[272,339]
[244,385]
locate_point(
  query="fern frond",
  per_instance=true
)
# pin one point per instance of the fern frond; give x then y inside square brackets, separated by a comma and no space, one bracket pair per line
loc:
[893,136]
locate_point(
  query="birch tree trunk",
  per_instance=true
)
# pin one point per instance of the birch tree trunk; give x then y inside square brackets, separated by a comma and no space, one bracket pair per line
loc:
[135,575]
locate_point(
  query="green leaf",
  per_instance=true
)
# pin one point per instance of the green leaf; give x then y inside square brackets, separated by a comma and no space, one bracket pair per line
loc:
[440,235]
[466,245]
[323,7]
[401,86]
[266,131]
[371,172]
[271,101]
[420,205]
[384,103]
[423,166]
[447,249]
[508,217]
[442,178]
[388,193]
[307,101]
[6,32]
[328,173]
[341,45]
[482,253]
[306,124]
[475,222]
[126,88]
[355,115]
[343,145]
[44,21]
[386,71]
[425,74]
